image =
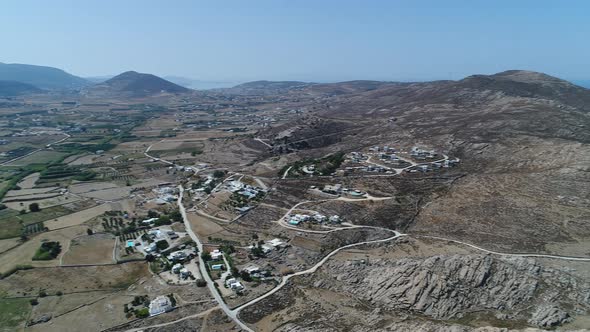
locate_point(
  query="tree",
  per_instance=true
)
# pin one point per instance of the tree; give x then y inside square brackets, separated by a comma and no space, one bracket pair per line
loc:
[34,207]
[218,174]
[162,245]
[245,276]
[201,283]
[153,214]
[150,258]
[89,231]
[206,256]
[23,211]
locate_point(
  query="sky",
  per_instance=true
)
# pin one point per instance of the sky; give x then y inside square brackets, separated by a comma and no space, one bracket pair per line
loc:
[319,40]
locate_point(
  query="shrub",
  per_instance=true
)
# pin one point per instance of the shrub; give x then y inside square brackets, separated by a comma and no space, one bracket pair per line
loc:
[142,313]
[201,283]
[206,256]
[34,207]
[162,245]
[34,302]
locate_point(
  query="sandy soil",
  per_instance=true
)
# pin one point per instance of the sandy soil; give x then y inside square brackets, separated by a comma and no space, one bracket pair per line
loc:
[93,249]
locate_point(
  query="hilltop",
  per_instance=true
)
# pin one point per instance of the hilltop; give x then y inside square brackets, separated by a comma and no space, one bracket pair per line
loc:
[136,84]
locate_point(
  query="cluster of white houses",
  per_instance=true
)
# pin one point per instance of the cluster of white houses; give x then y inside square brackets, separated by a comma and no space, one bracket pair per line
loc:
[296,219]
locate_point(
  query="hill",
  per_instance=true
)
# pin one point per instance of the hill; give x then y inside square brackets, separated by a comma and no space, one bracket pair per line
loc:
[12,88]
[266,87]
[136,84]
[41,76]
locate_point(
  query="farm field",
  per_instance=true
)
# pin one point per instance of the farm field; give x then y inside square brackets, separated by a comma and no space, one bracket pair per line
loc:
[13,314]
[92,249]
[29,181]
[69,280]
[96,312]
[10,224]
[7,244]
[40,157]
[77,218]
[25,252]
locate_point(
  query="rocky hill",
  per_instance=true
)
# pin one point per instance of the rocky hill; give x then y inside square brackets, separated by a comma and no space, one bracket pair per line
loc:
[40,76]
[134,84]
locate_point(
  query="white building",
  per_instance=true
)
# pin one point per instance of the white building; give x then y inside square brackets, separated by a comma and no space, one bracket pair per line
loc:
[160,305]
[216,254]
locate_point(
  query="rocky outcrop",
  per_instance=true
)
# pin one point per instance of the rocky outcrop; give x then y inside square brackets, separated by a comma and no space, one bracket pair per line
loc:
[444,287]
[549,316]
[450,287]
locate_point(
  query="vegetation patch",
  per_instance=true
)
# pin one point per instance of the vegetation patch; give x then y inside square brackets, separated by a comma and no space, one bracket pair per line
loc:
[13,312]
[48,251]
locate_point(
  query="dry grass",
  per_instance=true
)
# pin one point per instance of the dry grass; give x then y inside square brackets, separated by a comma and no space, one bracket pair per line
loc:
[77,218]
[24,253]
[93,249]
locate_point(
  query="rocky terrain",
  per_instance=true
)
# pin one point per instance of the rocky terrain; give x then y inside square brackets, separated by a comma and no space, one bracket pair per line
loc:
[439,291]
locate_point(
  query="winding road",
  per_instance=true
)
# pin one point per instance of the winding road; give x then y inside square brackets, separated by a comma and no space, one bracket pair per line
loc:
[233,313]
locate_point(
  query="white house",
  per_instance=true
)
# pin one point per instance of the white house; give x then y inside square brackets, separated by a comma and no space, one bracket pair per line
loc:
[160,305]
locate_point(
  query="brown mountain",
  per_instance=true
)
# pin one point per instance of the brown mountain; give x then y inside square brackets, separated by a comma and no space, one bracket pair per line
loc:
[136,84]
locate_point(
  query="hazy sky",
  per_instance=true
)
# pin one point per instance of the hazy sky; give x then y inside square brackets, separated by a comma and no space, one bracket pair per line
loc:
[319,40]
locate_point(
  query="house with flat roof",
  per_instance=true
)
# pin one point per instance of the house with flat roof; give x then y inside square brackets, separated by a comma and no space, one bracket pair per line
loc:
[160,305]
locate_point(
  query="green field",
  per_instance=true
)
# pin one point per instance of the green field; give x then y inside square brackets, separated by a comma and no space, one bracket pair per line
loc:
[10,225]
[12,222]
[41,157]
[13,312]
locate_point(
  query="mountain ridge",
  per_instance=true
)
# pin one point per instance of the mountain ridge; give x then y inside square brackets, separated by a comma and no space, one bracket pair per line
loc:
[44,77]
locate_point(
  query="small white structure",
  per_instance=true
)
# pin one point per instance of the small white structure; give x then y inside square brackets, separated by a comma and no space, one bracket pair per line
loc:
[177,267]
[160,305]
[335,219]
[266,248]
[149,221]
[216,254]
[177,256]
[252,269]
[276,243]
[319,217]
[234,285]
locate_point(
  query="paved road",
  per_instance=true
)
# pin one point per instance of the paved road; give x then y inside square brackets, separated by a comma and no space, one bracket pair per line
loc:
[35,151]
[231,314]
[312,269]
